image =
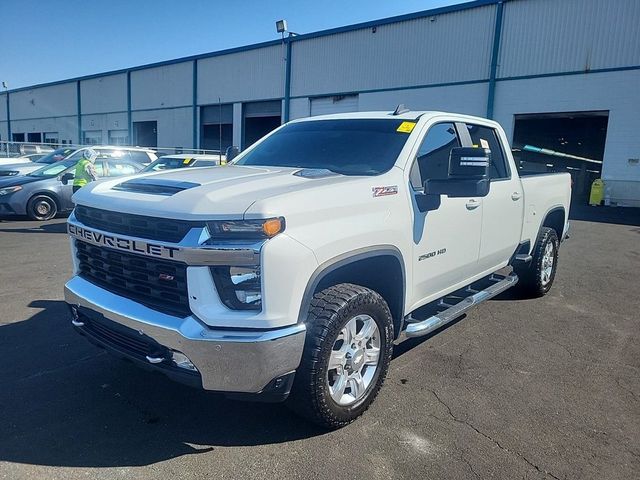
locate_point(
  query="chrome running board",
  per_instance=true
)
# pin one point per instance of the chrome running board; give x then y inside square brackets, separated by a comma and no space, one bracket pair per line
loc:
[424,327]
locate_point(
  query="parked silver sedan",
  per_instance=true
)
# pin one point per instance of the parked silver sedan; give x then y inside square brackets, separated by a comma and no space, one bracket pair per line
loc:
[44,193]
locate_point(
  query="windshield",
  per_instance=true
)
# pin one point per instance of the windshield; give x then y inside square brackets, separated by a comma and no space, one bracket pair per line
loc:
[170,163]
[54,169]
[348,146]
[56,155]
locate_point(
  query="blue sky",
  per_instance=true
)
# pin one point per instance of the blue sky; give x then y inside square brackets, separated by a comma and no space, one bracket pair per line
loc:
[47,40]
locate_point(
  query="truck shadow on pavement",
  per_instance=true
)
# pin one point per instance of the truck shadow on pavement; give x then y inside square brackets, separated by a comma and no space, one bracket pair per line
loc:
[64,402]
[54,226]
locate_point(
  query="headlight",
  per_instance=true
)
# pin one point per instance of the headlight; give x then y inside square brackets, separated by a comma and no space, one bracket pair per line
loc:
[239,288]
[8,190]
[245,229]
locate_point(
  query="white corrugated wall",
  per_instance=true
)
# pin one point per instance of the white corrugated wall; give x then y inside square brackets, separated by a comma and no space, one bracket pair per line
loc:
[451,47]
[554,36]
[243,76]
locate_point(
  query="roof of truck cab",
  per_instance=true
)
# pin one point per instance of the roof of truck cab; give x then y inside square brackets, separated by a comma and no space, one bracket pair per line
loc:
[411,115]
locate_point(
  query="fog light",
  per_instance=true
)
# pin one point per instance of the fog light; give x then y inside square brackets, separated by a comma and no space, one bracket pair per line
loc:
[239,288]
[181,361]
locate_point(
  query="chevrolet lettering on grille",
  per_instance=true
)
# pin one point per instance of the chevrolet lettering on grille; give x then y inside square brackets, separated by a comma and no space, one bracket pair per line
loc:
[125,244]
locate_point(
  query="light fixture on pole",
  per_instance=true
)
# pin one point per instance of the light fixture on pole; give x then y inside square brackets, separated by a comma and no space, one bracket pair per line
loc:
[281,26]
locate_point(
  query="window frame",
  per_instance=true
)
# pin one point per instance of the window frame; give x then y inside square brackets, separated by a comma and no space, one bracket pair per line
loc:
[507,164]
[414,162]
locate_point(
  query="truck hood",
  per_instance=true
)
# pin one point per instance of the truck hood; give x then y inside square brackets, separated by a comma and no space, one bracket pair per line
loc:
[201,193]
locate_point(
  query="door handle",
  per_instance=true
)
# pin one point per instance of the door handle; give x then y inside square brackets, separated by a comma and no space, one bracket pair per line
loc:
[516,196]
[472,204]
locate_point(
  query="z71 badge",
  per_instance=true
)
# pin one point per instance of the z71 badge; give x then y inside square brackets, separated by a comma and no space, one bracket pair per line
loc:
[384,191]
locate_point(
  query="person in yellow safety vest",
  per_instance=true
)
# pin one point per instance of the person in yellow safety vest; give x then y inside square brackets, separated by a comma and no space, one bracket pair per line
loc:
[85,169]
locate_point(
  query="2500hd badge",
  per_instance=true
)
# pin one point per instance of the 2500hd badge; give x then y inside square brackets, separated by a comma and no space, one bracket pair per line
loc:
[126,244]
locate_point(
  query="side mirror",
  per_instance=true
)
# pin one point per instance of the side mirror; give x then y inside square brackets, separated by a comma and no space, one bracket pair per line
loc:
[232,152]
[469,163]
[468,174]
[66,177]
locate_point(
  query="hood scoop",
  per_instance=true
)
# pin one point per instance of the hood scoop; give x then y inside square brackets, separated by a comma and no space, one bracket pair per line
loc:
[154,186]
[315,173]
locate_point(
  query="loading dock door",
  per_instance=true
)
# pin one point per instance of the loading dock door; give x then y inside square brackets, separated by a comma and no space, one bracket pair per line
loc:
[145,134]
[260,118]
[563,142]
[216,127]
[336,104]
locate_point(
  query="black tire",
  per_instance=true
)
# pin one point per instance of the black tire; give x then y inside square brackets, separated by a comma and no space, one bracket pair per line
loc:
[533,281]
[330,311]
[42,207]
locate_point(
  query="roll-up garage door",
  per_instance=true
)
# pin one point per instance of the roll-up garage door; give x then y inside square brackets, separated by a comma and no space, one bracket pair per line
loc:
[259,118]
[216,123]
[337,104]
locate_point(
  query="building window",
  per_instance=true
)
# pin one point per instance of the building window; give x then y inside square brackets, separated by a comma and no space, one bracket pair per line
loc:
[118,137]
[92,137]
[51,137]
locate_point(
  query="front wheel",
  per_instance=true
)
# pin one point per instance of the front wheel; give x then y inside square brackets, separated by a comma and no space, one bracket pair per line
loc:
[42,207]
[346,355]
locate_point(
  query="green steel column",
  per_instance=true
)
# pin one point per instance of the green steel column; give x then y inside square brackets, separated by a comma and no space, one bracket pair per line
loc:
[287,80]
[79,100]
[129,125]
[195,104]
[497,32]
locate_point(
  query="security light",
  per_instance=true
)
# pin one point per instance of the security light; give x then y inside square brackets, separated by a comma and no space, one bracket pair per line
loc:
[281,26]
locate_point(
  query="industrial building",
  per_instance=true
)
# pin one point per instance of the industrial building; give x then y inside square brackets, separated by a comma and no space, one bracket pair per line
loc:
[561,76]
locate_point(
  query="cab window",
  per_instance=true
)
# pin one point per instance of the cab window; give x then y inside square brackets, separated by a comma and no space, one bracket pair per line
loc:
[486,137]
[432,160]
[119,168]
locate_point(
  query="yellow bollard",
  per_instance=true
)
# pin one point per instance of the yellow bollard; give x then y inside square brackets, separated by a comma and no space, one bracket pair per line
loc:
[597,192]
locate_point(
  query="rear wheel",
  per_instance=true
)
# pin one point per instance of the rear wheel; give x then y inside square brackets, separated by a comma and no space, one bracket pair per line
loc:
[536,278]
[346,355]
[42,207]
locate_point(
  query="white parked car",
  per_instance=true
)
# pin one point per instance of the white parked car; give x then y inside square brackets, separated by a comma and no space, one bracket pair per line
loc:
[290,273]
[184,160]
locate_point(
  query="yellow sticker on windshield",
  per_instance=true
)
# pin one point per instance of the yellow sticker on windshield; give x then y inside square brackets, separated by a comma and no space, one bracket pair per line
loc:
[186,161]
[406,127]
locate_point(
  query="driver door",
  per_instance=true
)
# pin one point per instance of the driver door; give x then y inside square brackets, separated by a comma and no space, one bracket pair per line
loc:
[446,240]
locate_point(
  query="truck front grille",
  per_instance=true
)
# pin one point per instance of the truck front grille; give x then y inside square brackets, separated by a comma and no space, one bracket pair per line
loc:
[140,226]
[157,284]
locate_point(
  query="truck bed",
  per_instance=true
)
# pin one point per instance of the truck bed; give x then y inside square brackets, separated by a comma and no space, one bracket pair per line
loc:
[543,192]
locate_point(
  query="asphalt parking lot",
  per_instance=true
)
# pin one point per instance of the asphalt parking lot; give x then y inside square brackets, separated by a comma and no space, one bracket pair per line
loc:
[546,388]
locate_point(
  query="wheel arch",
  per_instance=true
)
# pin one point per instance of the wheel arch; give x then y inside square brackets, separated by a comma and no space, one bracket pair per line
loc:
[379,268]
[555,219]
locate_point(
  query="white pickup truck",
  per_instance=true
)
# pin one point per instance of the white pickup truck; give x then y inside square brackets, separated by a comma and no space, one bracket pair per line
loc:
[290,273]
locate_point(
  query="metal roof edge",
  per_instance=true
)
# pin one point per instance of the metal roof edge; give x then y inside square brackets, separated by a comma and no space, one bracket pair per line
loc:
[320,33]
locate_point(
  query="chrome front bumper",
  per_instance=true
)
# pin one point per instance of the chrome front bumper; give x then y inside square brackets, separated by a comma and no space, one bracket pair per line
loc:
[227,360]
